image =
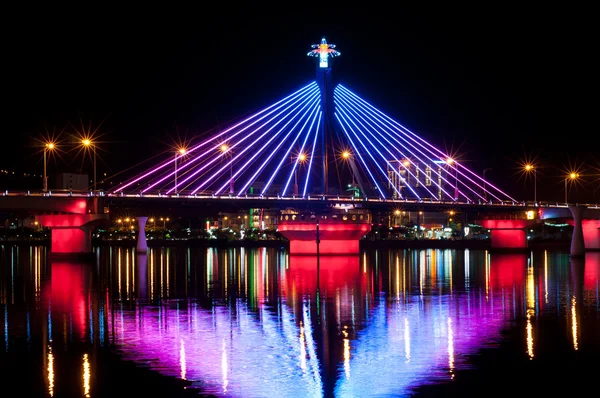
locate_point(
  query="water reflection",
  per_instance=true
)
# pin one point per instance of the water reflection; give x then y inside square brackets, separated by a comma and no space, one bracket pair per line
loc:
[259,322]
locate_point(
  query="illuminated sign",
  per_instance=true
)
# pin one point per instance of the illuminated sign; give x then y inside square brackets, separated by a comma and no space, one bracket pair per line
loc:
[323,51]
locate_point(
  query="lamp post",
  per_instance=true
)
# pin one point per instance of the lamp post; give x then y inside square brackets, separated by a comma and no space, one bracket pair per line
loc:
[572,176]
[450,162]
[50,146]
[529,168]
[224,148]
[484,190]
[301,160]
[180,152]
[87,143]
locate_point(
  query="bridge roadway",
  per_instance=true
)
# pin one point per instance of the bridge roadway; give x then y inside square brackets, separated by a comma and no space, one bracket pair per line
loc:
[61,201]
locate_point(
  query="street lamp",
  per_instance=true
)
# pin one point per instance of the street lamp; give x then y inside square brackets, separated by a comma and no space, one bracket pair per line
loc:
[87,143]
[301,160]
[484,190]
[572,176]
[450,162]
[529,168]
[180,152]
[50,146]
[224,148]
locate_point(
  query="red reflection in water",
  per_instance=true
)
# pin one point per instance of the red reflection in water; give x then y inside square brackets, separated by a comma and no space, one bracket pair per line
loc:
[507,269]
[591,273]
[67,293]
[335,272]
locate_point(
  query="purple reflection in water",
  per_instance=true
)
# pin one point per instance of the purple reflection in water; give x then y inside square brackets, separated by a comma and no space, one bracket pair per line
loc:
[242,354]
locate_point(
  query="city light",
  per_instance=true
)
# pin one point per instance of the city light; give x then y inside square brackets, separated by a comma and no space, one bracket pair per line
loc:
[182,151]
[302,157]
[224,148]
[346,154]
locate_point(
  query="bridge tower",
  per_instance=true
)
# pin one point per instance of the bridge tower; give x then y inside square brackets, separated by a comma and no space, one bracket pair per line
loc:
[325,53]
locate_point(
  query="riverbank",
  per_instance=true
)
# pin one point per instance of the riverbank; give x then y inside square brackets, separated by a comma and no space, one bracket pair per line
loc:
[459,244]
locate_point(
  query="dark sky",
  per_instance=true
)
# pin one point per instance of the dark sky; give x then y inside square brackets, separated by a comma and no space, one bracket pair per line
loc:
[497,86]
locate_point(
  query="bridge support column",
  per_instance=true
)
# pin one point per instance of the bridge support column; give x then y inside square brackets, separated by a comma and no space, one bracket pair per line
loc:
[71,233]
[71,240]
[141,244]
[507,234]
[577,242]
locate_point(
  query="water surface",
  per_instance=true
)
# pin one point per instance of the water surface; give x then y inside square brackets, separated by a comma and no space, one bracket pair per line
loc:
[260,323]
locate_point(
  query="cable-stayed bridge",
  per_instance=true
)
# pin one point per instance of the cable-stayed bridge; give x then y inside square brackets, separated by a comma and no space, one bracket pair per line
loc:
[283,151]
[323,156]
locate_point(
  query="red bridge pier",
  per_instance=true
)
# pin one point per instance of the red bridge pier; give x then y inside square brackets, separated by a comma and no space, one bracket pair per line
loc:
[339,234]
[507,234]
[71,233]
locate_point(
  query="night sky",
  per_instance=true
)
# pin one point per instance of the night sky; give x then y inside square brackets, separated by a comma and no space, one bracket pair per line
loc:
[496,87]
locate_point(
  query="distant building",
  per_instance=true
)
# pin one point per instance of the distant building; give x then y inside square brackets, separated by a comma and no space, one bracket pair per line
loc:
[72,182]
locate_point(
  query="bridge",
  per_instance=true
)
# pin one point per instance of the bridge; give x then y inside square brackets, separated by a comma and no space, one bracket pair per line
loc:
[319,152]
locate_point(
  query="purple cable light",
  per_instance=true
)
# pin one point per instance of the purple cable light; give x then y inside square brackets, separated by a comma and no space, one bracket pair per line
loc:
[301,151]
[310,86]
[312,155]
[307,103]
[409,143]
[344,100]
[346,112]
[342,113]
[312,94]
[315,107]
[359,155]
[413,136]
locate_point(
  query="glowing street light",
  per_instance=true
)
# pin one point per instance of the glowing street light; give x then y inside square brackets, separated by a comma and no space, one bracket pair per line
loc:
[224,148]
[571,176]
[50,146]
[450,161]
[346,155]
[301,159]
[87,143]
[179,153]
[531,168]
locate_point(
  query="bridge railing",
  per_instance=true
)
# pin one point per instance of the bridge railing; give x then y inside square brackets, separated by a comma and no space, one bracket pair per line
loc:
[337,198]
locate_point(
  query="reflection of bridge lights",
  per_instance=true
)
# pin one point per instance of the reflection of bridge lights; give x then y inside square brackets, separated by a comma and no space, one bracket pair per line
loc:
[346,352]
[530,314]
[50,371]
[182,363]
[86,376]
[450,347]
[574,322]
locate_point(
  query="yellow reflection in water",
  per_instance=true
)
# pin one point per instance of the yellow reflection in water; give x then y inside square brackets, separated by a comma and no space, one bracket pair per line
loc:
[530,296]
[530,288]
[127,274]
[225,368]
[86,376]
[364,263]
[346,352]
[574,322]
[450,347]
[529,334]
[119,271]
[50,371]
[162,261]
[182,358]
